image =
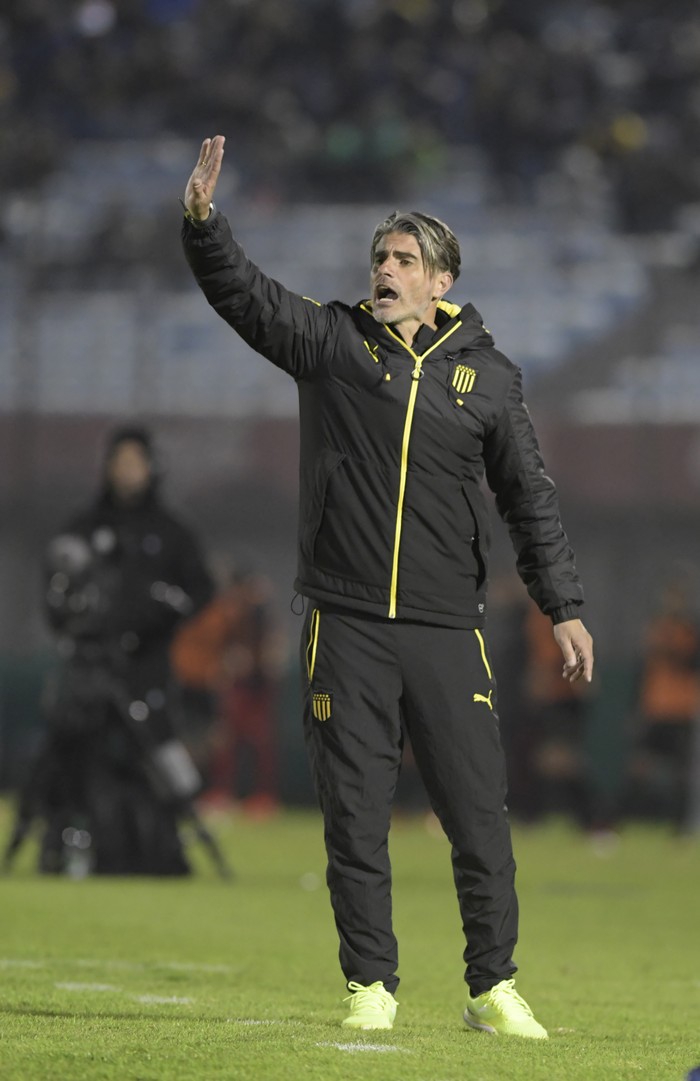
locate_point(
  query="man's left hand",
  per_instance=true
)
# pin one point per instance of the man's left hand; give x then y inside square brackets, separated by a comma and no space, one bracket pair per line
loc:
[576,645]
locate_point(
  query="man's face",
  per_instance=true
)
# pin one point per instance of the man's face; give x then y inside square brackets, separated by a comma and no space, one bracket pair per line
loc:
[404,292]
[129,470]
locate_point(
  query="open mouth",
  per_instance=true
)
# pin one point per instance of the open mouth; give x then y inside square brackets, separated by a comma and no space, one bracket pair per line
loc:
[384,295]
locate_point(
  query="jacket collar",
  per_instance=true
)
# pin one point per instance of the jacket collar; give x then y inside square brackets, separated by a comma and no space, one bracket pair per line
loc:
[458,329]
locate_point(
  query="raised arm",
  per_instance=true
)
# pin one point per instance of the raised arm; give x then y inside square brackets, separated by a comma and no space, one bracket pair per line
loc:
[295,333]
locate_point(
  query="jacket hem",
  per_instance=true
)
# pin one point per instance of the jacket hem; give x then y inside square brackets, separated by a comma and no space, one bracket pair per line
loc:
[405,614]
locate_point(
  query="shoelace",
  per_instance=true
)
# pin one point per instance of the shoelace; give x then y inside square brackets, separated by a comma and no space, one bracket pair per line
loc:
[506,990]
[362,995]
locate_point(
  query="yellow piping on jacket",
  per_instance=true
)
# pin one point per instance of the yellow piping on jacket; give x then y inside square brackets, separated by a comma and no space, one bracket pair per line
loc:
[312,645]
[484,658]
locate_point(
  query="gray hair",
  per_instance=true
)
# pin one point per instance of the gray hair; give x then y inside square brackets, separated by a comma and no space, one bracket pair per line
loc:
[438,245]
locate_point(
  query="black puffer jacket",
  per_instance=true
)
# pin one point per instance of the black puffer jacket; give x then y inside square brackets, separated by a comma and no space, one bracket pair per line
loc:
[394,446]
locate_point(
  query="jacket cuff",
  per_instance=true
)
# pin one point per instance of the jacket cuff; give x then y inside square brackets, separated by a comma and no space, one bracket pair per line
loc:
[567,611]
[199,223]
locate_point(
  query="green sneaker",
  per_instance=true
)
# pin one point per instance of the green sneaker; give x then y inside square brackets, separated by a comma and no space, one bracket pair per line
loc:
[370,1007]
[502,1012]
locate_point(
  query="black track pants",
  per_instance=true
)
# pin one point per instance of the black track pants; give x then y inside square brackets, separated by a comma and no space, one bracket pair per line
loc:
[363,678]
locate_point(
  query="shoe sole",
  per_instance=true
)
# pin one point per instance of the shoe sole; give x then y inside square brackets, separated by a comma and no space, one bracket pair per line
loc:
[494,1032]
[367,1027]
[478,1025]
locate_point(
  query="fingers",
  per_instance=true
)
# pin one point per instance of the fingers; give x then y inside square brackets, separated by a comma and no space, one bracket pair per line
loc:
[587,662]
[573,663]
[210,156]
[576,645]
[201,184]
[584,653]
[580,665]
[203,152]
[574,671]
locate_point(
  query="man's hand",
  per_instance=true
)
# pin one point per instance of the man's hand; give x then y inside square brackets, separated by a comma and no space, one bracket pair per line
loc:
[576,645]
[200,187]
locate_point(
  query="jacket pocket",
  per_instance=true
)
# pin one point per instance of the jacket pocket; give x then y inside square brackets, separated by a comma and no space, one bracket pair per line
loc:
[481,540]
[325,468]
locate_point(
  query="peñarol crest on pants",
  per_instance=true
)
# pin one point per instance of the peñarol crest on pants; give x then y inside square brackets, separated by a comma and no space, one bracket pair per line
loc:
[463,379]
[322,705]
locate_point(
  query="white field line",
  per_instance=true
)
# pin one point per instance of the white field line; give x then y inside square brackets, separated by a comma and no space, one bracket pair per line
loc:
[125,966]
[192,966]
[352,1047]
[254,1021]
[165,1000]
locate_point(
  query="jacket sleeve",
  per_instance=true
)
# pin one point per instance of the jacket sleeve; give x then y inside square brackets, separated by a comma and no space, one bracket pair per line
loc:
[287,329]
[527,501]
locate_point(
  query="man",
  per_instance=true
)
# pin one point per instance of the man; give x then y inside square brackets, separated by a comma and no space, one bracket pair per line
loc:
[121,576]
[404,403]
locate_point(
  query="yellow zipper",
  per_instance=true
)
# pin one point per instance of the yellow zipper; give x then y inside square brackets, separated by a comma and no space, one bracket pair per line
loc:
[416,376]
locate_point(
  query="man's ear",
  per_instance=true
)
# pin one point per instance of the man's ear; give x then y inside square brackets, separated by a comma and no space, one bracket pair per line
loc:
[443,283]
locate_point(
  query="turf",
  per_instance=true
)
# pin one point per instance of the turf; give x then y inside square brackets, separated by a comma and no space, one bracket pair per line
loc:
[201,980]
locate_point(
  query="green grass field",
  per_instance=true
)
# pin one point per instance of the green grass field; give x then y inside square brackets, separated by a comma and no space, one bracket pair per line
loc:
[200,980]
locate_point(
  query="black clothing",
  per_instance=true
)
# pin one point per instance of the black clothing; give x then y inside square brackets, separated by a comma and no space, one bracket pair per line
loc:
[120,578]
[394,448]
[144,571]
[393,551]
[367,680]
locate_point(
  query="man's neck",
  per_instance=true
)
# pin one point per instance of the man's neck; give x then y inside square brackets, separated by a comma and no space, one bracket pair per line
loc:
[408,328]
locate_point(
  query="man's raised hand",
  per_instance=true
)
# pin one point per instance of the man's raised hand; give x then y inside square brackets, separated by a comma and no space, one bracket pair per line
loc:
[200,187]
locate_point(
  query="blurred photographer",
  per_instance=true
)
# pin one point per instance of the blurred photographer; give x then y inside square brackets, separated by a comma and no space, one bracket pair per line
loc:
[113,778]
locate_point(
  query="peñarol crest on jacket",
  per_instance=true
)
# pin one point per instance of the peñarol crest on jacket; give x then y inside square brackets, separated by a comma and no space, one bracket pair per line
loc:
[322,705]
[463,379]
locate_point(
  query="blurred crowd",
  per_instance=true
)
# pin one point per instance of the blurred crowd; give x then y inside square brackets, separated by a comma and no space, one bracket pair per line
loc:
[643,763]
[229,661]
[354,99]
